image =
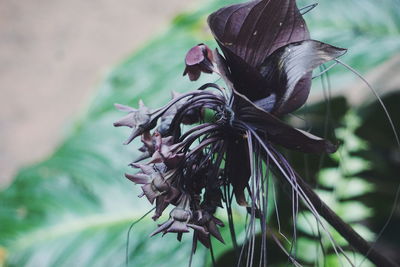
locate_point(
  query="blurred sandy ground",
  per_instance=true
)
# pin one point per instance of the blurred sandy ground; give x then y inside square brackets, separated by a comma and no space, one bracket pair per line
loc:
[52,55]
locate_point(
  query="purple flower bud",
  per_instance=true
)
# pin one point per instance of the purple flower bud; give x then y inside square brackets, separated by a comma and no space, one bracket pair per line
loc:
[165,152]
[138,119]
[179,220]
[199,59]
[209,223]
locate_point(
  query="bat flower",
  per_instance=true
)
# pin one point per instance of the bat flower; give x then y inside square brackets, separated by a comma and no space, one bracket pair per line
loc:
[179,221]
[155,184]
[266,64]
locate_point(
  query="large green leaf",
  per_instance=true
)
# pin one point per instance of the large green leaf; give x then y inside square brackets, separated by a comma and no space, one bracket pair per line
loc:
[75,207]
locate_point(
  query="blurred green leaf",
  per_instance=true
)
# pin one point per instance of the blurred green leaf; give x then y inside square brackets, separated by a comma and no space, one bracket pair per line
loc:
[370,30]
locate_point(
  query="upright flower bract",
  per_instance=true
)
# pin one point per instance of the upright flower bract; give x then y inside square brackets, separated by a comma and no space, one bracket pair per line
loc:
[266,63]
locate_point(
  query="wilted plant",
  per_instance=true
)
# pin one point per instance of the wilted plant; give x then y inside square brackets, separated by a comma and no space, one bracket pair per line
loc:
[266,64]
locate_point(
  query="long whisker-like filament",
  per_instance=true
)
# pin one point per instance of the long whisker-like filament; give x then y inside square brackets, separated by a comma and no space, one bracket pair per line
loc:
[389,118]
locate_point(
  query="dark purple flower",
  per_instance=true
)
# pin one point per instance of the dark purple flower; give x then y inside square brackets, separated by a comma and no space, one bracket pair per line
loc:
[268,50]
[199,59]
[137,119]
[210,224]
[166,151]
[179,221]
[269,59]
[155,184]
[267,63]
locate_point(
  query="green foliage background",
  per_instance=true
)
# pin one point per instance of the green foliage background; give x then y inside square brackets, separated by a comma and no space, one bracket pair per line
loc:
[75,207]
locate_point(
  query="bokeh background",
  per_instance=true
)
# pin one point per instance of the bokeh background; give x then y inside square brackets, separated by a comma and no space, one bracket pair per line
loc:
[53,55]
[64,64]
